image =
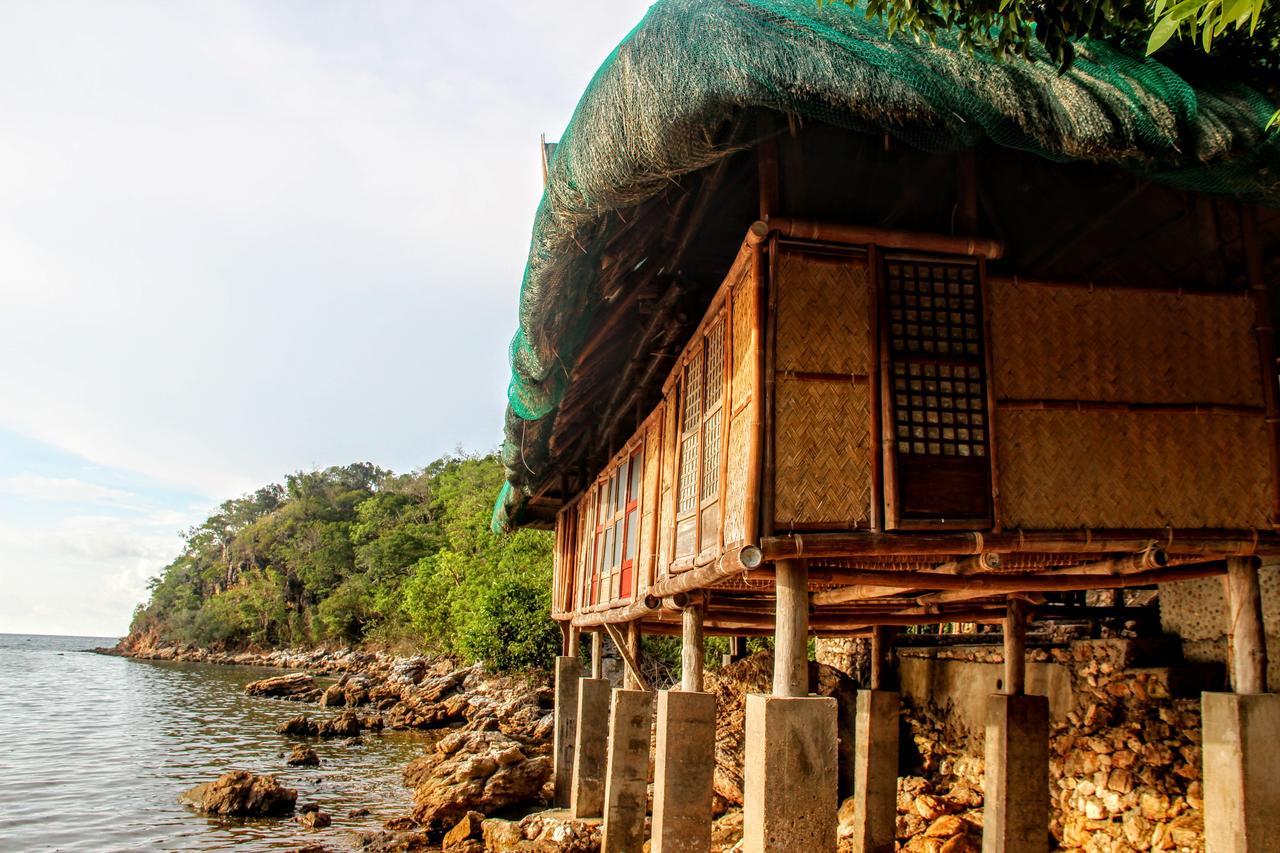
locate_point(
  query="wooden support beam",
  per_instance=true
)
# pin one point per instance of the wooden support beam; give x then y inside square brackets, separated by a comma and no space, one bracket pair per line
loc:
[881,675]
[1131,566]
[1015,647]
[887,238]
[791,643]
[1246,638]
[632,663]
[691,649]
[1006,583]
[1210,543]
[597,654]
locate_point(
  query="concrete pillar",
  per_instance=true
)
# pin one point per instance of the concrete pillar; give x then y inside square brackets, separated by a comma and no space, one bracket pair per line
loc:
[1015,816]
[789,774]
[1241,771]
[684,766]
[590,748]
[568,672]
[626,786]
[875,771]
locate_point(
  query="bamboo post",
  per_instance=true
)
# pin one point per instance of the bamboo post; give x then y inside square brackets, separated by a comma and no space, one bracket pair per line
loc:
[1246,640]
[633,679]
[791,637]
[881,657]
[1015,647]
[633,643]
[691,651]
[597,654]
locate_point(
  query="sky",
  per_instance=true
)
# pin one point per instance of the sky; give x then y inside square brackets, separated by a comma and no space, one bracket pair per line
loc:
[239,239]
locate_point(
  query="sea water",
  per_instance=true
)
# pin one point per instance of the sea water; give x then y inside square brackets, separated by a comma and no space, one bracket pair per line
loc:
[94,751]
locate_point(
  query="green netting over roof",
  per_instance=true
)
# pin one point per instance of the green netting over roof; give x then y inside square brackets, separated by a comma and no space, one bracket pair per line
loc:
[651,112]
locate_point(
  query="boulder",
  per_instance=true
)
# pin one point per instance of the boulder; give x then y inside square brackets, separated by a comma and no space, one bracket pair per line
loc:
[314,819]
[293,686]
[467,835]
[299,726]
[242,794]
[541,833]
[303,756]
[476,771]
[346,724]
[332,697]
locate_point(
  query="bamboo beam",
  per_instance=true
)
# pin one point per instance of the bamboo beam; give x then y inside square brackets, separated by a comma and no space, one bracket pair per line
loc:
[691,649]
[1015,647]
[1216,543]
[1017,405]
[985,562]
[888,238]
[1008,583]
[1246,639]
[1134,564]
[855,622]
[633,666]
[791,645]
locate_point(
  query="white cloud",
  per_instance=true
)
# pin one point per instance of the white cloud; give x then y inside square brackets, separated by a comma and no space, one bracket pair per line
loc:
[79,574]
[241,238]
[63,490]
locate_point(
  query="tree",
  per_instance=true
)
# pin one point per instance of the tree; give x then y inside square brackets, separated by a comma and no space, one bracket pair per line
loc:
[1245,30]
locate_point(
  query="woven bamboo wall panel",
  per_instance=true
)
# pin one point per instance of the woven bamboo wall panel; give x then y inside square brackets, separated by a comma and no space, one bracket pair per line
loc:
[586,537]
[742,307]
[666,501]
[1070,469]
[824,314]
[822,441]
[649,499]
[1074,343]
[735,495]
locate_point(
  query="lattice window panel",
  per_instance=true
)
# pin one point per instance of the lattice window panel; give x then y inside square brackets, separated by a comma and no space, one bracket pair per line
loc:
[936,346]
[939,409]
[934,308]
[715,363]
[711,457]
[692,394]
[688,474]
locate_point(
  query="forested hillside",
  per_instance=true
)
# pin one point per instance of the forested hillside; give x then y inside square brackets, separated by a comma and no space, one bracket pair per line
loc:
[355,554]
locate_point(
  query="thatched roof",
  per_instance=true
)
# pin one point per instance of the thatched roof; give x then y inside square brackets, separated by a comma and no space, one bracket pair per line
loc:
[656,110]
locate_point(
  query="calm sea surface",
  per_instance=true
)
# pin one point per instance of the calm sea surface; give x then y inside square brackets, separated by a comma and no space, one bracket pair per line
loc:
[94,751]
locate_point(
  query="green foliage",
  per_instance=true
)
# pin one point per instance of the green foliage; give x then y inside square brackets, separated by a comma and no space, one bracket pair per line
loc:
[352,555]
[1012,27]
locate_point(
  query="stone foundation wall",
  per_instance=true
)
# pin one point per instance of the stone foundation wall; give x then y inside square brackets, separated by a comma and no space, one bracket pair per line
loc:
[1196,612]
[1124,752]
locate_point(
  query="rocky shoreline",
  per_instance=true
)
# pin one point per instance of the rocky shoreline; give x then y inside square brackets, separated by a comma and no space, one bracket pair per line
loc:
[483,782]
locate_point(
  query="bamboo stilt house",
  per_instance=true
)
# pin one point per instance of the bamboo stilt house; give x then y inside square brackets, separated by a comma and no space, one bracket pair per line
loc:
[941,328]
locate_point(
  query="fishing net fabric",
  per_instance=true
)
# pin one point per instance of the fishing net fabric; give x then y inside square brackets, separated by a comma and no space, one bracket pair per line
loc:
[652,111]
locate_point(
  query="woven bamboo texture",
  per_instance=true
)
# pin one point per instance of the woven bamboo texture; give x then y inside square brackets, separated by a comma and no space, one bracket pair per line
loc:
[582,565]
[735,496]
[822,429]
[743,310]
[666,502]
[823,438]
[649,499]
[823,314]
[1076,343]
[1065,469]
